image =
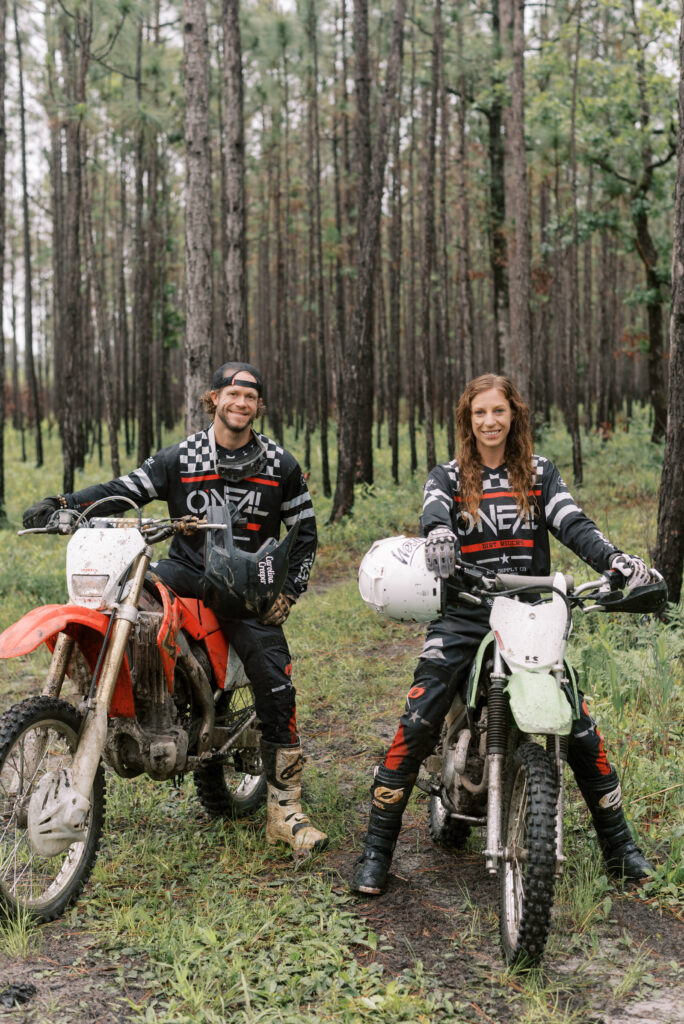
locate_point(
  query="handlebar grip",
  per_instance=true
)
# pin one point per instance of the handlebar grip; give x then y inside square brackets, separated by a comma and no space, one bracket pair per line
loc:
[512,582]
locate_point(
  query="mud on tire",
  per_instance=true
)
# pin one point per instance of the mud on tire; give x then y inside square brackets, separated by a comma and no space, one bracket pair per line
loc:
[526,876]
[443,829]
[238,786]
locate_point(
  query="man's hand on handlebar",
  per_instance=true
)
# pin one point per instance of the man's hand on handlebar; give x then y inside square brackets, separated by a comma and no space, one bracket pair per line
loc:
[40,514]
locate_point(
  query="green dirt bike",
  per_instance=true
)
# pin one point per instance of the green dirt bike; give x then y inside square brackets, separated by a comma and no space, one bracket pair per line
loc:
[488,770]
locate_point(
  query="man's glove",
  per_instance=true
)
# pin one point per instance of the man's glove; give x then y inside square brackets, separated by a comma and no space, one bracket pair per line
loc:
[440,551]
[279,610]
[40,513]
[633,568]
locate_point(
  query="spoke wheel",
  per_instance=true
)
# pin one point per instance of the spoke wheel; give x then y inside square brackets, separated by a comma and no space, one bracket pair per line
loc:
[38,738]
[527,873]
[237,786]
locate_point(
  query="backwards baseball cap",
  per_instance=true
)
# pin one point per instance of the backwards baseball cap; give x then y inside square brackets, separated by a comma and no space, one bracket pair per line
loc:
[229,373]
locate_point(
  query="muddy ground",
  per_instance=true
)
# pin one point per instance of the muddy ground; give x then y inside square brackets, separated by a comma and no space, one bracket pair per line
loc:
[440,909]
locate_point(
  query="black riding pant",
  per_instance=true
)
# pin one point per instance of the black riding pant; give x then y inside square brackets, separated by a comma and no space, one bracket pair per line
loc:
[263,651]
[450,646]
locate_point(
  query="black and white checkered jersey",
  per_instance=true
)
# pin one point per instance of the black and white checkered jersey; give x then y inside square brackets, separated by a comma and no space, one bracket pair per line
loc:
[184,476]
[503,540]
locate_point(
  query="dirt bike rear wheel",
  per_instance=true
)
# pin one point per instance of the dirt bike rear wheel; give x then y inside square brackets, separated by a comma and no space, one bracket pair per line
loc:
[526,876]
[443,829]
[37,737]
[237,787]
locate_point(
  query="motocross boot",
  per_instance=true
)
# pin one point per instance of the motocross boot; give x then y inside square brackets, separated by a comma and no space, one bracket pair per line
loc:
[285,820]
[621,854]
[390,792]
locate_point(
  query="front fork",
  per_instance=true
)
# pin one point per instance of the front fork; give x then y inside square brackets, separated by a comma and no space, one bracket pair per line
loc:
[94,733]
[497,707]
[557,747]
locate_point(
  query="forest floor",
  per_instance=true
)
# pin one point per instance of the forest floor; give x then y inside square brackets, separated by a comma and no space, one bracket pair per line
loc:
[436,924]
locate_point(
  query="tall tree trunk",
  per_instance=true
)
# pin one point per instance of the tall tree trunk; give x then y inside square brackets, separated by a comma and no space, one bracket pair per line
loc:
[465,292]
[393,348]
[319,297]
[198,231]
[362,168]
[237,327]
[497,211]
[72,382]
[97,289]
[3,223]
[517,199]
[29,365]
[367,249]
[669,554]
[570,262]
[427,249]
[647,249]
[411,314]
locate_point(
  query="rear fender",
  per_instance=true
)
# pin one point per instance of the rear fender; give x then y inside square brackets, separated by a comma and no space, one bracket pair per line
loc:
[86,626]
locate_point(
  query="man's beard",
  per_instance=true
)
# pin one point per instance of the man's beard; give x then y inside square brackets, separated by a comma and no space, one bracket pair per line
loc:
[231,427]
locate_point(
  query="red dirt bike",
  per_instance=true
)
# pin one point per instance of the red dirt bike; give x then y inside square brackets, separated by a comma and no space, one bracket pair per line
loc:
[158,692]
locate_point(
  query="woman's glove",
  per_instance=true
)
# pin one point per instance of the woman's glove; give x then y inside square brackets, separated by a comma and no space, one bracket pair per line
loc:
[440,551]
[279,610]
[633,568]
[39,515]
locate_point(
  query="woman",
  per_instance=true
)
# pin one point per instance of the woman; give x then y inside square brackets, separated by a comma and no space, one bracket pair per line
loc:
[494,505]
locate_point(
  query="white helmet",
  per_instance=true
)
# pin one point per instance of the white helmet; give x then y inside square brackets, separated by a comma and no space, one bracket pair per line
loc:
[394,579]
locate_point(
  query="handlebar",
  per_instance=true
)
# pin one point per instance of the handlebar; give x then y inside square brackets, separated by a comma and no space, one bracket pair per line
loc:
[66,521]
[606,592]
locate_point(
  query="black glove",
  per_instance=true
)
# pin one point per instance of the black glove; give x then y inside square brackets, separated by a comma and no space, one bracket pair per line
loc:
[279,610]
[40,513]
[440,551]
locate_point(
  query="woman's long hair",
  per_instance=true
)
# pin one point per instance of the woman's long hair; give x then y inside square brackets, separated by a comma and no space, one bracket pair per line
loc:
[518,452]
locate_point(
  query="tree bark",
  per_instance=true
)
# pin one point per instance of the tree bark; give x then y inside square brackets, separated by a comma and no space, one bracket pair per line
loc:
[3,224]
[29,364]
[367,254]
[669,554]
[427,253]
[237,326]
[519,363]
[198,230]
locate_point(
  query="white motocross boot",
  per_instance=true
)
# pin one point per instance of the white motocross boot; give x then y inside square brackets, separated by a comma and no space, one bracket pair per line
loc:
[285,820]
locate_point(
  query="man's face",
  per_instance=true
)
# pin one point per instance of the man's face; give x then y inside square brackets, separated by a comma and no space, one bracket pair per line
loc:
[237,405]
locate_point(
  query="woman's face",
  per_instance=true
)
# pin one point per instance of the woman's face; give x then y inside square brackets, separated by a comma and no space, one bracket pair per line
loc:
[491,417]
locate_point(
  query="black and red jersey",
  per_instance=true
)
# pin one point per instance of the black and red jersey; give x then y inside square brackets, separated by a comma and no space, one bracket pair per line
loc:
[184,475]
[500,538]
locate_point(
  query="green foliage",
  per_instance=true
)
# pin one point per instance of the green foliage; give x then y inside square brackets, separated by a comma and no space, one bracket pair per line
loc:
[213,925]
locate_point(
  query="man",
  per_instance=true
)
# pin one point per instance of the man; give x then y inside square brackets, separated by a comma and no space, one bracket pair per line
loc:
[230,463]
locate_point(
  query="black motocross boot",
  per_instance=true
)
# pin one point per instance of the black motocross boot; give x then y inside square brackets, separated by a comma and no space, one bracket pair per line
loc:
[623,857]
[390,792]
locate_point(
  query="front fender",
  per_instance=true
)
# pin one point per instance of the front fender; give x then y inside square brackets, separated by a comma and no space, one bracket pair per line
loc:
[88,627]
[538,703]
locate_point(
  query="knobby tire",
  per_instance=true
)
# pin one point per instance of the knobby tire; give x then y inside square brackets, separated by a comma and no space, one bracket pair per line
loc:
[226,790]
[38,736]
[529,837]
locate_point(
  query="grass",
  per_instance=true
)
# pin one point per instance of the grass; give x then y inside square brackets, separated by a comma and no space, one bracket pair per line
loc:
[207,923]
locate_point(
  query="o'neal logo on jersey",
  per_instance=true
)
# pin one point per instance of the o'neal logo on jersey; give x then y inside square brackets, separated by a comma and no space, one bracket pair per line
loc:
[497,516]
[246,502]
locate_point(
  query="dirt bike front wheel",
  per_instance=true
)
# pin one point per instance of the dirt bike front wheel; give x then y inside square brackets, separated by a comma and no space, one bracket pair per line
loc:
[526,876]
[38,739]
[237,787]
